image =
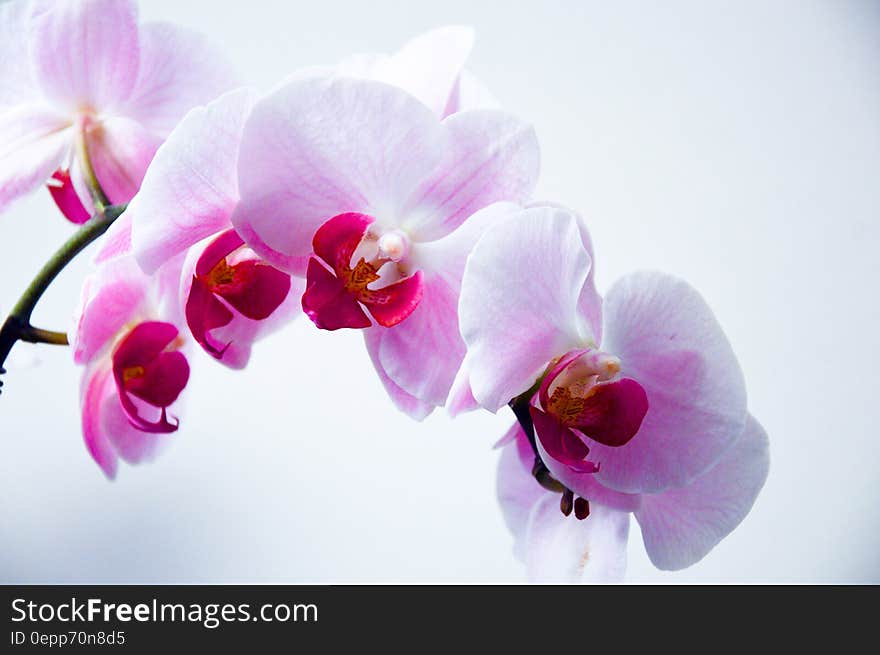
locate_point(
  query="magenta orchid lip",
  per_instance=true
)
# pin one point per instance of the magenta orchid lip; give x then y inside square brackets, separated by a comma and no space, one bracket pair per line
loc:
[341,283]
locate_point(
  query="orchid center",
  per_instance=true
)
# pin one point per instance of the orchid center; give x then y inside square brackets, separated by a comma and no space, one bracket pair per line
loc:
[150,373]
[360,272]
[572,384]
[583,398]
[585,393]
[357,279]
[229,278]
[221,275]
[132,373]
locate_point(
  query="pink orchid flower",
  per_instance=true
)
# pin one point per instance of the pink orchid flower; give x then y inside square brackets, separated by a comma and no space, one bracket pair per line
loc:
[431,67]
[638,405]
[679,526]
[127,336]
[359,187]
[553,547]
[82,77]
[230,296]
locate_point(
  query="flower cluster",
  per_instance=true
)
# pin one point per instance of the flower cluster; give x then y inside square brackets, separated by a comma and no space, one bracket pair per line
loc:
[391,195]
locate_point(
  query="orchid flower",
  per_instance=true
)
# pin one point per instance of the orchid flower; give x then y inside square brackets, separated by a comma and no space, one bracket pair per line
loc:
[87,95]
[359,187]
[556,548]
[637,405]
[127,336]
[230,296]
[431,67]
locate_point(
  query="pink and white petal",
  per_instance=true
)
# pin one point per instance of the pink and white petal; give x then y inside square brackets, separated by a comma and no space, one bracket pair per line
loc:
[590,302]
[492,157]
[179,69]
[16,83]
[112,297]
[669,341]
[429,65]
[423,353]
[519,299]
[447,256]
[86,53]
[321,146]
[469,93]
[191,187]
[130,444]
[121,150]
[680,526]
[514,433]
[104,315]
[34,142]
[561,549]
[97,385]
[518,491]
[164,292]
[116,241]
[405,402]
[461,398]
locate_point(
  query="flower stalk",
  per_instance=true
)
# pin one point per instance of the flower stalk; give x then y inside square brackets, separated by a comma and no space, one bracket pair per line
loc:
[520,408]
[17,326]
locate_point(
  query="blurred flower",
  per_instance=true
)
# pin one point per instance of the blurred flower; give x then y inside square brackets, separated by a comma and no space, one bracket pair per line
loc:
[81,76]
[230,296]
[679,526]
[637,405]
[431,67]
[127,335]
[359,187]
[556,548]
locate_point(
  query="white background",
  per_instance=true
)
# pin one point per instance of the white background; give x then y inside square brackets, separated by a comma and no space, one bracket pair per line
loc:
[734,144]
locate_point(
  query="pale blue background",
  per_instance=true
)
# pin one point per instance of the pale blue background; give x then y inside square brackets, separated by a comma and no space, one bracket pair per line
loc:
[734,143]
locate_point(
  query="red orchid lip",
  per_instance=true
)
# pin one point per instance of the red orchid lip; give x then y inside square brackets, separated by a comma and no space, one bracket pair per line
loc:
[251,287]
[145,368]
[561,442]
[337,294]
[64,194]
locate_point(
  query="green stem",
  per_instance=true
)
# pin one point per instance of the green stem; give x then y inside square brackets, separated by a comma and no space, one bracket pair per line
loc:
[99,198]
[17,326]
[33,334]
